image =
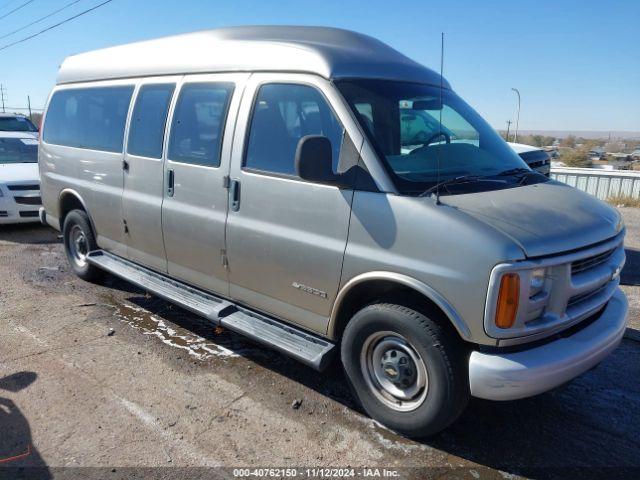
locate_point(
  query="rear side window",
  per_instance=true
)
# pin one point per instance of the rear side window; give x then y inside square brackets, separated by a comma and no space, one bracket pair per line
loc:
[283,114]
[146,132]
[198,123]
[91,118]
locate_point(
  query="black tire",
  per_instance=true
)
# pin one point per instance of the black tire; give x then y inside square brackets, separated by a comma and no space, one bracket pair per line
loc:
[443,355]
[76,224]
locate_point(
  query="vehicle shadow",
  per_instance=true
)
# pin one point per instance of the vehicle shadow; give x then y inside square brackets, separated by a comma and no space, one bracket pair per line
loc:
[18,457]
[331,384]
[631,272]
[588,427]
[590,424]
[29,233]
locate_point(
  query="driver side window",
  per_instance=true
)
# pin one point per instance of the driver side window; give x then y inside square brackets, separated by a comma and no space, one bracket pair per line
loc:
[282,115]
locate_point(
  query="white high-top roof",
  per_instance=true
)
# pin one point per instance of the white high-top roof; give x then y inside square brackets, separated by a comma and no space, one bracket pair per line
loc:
[329,52]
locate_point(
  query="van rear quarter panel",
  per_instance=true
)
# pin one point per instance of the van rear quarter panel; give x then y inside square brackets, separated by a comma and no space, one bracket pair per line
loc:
[96,178]
[437,245]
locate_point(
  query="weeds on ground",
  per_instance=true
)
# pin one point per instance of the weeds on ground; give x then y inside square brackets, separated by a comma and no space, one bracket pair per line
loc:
[624,201]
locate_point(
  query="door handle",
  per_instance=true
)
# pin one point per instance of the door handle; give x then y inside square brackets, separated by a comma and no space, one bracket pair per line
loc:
[234,189]
[170,182]
[125,165]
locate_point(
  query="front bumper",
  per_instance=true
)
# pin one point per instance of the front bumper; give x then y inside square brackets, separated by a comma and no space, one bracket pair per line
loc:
[19,206]
[509,376]
[10,212]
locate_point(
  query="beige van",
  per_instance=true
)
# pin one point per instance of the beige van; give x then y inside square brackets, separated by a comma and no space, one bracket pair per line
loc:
[321,193]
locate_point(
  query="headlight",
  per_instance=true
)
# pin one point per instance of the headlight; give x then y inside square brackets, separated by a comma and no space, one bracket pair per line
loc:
[520,296]
[536,281]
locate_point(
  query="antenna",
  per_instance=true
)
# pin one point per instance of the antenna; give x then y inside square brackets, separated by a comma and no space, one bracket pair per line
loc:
[440,119]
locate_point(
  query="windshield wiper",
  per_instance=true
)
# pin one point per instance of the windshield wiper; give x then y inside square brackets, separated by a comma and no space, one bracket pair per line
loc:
[520,173]
[514,171]
[452,181]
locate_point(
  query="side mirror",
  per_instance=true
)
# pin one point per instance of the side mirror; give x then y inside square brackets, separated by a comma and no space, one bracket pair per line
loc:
[314,161]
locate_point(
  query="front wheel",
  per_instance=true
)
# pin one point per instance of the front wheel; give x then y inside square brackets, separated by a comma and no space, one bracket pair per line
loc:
[79,240]
[407,370]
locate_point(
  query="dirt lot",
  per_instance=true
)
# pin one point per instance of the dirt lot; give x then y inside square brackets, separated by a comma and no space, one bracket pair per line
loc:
[107,376]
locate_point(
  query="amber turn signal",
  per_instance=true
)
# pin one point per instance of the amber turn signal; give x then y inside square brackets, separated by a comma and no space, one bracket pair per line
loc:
[508,299]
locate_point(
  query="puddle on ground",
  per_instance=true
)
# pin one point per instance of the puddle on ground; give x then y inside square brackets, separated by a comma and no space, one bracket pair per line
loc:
[178,337]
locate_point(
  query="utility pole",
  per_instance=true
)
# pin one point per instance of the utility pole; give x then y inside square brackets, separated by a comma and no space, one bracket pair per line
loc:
[29,104]
[2,90]
[518,114]
[509,122]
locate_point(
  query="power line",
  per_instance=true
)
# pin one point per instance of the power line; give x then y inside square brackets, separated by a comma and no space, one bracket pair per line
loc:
[8,4]
[26,108]
[17,8]
[4,47]
[40,19]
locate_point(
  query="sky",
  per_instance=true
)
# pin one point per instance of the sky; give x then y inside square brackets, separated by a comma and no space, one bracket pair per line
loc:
[575,63]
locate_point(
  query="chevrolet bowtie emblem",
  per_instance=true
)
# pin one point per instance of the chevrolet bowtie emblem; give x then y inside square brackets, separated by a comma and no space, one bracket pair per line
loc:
[616,273]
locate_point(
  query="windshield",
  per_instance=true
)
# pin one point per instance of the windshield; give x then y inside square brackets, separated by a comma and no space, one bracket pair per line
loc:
[402,120]
[18,150]
[16,124]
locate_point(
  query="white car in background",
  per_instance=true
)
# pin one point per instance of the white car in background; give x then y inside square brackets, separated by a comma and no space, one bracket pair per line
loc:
[536,158]
[19,177]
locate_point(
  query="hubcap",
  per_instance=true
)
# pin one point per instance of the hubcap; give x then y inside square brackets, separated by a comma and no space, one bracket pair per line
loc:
[78,247]
[394,371]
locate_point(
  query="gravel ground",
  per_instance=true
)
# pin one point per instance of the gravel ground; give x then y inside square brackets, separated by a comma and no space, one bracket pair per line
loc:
[631,274]
[108,377]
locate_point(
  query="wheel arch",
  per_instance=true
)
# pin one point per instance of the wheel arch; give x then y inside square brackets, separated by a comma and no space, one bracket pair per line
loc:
[68,200]
[364,288]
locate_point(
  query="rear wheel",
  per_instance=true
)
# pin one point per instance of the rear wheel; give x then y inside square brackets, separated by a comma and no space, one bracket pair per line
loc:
[79,240]
[408,371]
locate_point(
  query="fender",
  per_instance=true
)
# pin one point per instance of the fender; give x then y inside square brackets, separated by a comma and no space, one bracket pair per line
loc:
[404,280]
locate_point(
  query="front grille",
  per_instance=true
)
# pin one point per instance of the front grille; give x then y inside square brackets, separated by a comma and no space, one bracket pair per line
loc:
[4,213]
[584,296]
[590,262]
[593,281]
[28,200]
[28,214]
[21,188]
[575,288]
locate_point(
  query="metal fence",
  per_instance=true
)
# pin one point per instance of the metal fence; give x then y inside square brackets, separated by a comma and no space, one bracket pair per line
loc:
[601,183]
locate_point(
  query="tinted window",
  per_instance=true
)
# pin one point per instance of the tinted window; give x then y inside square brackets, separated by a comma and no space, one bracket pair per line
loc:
[198,123]
[16,124]
[88,118]
[282,115]
[146,132]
